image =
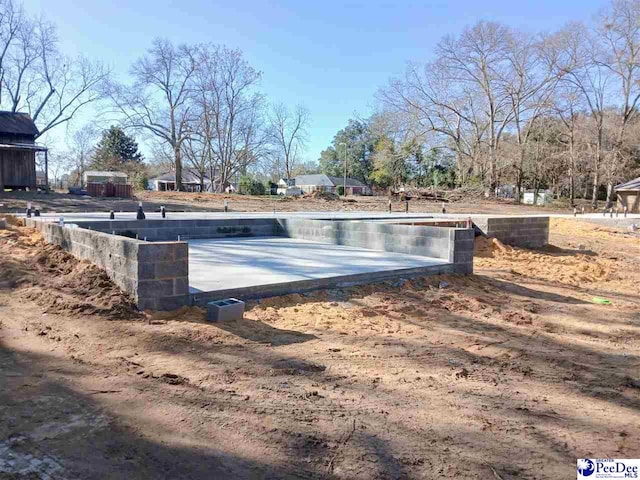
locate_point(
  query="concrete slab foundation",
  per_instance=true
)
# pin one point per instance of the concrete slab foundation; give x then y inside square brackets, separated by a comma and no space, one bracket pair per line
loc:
[218,264]
[164,264]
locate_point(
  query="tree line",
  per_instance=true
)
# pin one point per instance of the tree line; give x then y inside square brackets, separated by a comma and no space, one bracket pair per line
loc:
[506,110]
[556,110]
[495,107]
[200,106]
[37,77]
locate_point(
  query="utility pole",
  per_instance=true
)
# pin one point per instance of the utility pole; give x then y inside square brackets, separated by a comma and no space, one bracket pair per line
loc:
[344,184]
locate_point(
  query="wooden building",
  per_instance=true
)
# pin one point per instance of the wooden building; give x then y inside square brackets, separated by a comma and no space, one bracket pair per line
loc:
[18,151]
[629,195]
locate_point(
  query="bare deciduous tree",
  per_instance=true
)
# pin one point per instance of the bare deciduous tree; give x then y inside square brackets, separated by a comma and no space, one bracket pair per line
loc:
[160,99]
[288,134]
[479,60]
[435,109]
[80,147]
[567,106]
[37,78]
[530,81]
[591,79]
[491,90]
[229,111]
[618,32]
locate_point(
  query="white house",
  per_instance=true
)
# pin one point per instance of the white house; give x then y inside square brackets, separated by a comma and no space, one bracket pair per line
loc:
[326,183]
[191,181]
[287,186]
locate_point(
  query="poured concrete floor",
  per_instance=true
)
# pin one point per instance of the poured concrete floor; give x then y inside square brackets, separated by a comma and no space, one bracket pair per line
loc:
[220,264]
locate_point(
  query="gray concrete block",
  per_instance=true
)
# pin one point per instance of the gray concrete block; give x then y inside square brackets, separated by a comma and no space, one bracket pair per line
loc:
[181,251]
[225,310]
[155,251]
[181,285]
[146,270]
[171,303]
[463,268]
[171,269]
[155,288]
[150,303]
[464,234]
[127,284]
[462,257]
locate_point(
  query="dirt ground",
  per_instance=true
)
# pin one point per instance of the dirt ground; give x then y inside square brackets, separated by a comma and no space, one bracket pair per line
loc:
[182,201]
[513,372]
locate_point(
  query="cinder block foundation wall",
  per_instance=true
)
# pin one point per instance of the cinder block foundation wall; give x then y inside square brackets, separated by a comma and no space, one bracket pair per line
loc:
[156,275]
[167,229]
[452,244]
[461,250]
[527,232]
[163,275]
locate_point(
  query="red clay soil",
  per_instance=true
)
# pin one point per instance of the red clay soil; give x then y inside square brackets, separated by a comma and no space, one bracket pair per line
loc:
[496,375]
[461,202]
[54,279]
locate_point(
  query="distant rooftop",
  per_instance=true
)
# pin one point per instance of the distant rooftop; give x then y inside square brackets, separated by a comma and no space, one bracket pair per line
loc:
[189,175]
[104,173]
[630,185]
[320,179]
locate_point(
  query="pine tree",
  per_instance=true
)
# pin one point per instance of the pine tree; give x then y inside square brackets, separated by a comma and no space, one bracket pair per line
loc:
[116,151]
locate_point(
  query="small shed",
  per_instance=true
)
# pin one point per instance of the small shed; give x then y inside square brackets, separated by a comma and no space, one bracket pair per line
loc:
[542,197]
[629,195]
[103,176]
[18,151]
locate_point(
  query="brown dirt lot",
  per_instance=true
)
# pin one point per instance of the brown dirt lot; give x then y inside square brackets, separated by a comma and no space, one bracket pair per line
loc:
[181,201]
[510,373]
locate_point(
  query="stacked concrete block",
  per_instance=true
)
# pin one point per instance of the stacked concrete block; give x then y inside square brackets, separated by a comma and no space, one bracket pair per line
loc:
[427,241]
[154,274]
[168,230]
[163,275]
[116,255]
[462,241]
[526,232]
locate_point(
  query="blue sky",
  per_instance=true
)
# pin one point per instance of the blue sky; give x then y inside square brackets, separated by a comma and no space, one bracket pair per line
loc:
[330,56]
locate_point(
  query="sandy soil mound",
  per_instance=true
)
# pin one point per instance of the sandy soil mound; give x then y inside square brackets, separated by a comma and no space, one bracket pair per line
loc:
[489,247]
[400,379]
[552,263]
[11,220]
[55,279]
